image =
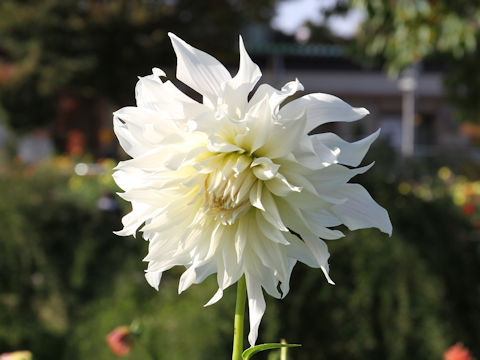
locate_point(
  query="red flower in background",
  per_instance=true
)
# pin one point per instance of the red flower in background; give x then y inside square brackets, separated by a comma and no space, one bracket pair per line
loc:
[457,352]
[120,340]
[468,209]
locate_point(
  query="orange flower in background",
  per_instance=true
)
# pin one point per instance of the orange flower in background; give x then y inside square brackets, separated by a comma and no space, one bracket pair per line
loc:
[17,355]
[457,352]
[120,340]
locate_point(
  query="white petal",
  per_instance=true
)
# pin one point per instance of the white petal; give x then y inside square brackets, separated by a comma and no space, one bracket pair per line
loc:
[314,159]
[218,145]
[333,176]
[284,139]
[166,98]
[200,71]
[276,97]
[241,234]
[256,307]
[271,255]
[233,270]
[153,278]
[128,142]
[259,123]
[248,73]
[134,219]
[280,186]
[256,195]
[270,231]
[196,274]
[264,168]
[325,218]
[128,177]
[218,295]
[235,92]
[320,251]
[140,130]
[350,154]
[299,250]
[320,109]
[360,211]
[319,230]
[271,213]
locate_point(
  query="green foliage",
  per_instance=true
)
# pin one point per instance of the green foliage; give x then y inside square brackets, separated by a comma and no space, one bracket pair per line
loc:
[66,281]
[408,296]
[401,33]
[462,86]
[405,32]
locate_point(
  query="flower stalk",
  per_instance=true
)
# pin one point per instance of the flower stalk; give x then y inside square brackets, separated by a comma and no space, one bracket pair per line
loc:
[239,319]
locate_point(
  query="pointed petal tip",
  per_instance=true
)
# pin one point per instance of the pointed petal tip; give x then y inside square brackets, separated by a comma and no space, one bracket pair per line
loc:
[300,85]
[218,295]
[124,232]
[158,72]
[370,138]
[388,229]
[174,39]
[376,133]
[362,111]
[153,278]
[327,276]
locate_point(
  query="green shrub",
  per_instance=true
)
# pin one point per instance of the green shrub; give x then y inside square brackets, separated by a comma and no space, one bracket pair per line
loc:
[66,281]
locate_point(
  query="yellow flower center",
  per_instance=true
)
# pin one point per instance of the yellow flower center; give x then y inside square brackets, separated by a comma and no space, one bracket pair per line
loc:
[227,188]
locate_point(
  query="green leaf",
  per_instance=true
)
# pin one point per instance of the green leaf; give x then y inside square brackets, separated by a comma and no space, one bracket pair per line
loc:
[247,354]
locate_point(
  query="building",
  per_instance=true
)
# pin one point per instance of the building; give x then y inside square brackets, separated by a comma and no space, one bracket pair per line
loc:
[325,68]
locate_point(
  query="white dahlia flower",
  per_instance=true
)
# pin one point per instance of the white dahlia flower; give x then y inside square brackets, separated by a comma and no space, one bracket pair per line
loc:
[236,186]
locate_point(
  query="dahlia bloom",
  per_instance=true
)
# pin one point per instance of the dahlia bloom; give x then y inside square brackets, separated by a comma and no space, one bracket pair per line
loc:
[235,185]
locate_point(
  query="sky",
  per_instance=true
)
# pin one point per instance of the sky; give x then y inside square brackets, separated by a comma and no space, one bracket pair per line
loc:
[291,14]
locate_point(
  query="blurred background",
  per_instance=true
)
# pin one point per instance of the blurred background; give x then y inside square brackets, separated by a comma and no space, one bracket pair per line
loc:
[66,281]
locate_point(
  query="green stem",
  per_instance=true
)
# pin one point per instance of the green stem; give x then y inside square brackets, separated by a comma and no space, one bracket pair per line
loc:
[239,319]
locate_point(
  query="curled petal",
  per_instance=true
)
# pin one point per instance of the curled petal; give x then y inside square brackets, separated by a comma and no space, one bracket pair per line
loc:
[350,154]
[320,109]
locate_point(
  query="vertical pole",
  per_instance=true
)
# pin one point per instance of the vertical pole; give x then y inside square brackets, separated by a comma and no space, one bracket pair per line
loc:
[408,123]
[407,84]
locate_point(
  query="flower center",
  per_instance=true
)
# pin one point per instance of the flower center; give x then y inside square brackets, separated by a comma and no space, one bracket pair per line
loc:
[227,189]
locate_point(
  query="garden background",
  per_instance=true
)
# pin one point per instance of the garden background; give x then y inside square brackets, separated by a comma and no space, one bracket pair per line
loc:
[66,280]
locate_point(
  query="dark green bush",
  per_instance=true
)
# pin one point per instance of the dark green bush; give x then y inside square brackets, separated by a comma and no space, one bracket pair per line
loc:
[66,281]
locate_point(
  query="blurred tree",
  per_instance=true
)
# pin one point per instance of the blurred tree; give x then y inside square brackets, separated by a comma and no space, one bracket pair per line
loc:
[99,47]
[401,33]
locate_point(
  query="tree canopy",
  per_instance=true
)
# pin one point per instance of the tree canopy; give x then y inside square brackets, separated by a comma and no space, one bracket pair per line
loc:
[404,32]
[98,47]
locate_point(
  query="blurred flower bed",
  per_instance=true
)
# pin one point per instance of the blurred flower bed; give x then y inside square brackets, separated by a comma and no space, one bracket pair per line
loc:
[464,192]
